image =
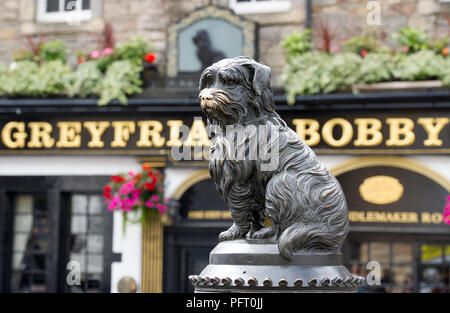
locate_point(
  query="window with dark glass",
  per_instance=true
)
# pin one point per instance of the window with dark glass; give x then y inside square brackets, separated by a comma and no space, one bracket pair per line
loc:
[29,243]
[86,243]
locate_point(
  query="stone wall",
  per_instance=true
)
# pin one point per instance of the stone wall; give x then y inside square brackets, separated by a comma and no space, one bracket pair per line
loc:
[150,19]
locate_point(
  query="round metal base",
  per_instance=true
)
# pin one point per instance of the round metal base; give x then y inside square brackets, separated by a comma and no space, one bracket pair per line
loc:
[257,266]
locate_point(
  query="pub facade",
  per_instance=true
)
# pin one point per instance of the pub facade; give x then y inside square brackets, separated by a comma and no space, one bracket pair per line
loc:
[389,151]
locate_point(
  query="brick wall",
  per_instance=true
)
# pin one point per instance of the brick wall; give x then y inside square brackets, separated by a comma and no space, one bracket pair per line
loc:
[150,19]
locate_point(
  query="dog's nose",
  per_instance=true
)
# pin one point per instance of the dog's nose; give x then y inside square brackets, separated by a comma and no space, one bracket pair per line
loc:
[207,97]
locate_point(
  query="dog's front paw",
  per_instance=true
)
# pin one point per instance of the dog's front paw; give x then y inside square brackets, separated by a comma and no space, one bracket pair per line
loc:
[234,232]
[264,233]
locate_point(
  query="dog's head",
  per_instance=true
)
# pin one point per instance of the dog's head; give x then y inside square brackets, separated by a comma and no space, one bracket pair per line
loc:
[236,91]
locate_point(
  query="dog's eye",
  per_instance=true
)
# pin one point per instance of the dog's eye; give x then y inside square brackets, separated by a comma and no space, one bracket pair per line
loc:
[207,81]
[229,82]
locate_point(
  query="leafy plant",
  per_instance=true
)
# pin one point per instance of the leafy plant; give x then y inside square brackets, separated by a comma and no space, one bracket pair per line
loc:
[121,79]
[297,42]
[53,50]
[52,77]
[361,45]
[302,74]
[342,72]
[85,80]
[22,80]
[133,50]
[412,39]
[418,66]
[376,67]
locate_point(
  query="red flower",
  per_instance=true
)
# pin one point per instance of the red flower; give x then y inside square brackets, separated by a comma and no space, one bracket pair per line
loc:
[364,53]
[150,57]
[150,186]
[145,167]
[118,179]
[137,176]
[80,61]
[107,192]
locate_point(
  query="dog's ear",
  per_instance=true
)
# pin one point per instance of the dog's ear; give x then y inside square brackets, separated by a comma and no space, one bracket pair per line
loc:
[261,77]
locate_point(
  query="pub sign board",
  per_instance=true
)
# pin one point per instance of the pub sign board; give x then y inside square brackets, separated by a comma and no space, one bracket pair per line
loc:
[415,132]
[202,38]
[394,195]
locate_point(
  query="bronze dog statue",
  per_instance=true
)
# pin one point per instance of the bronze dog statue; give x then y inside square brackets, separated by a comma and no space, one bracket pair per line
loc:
[304,202]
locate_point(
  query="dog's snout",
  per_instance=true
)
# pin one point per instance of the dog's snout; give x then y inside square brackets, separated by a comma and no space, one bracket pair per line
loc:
[205,95]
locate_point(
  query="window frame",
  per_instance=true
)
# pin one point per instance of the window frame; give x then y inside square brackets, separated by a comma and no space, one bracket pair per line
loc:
[58,190]
[260,7]
[42,16]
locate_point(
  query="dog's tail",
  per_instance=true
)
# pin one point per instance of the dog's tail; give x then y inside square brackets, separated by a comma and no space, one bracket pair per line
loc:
[313,216]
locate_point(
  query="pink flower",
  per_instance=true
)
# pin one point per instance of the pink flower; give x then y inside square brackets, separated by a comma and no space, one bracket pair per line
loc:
[113,203]
[135,194]
[405,48]
[107,51]
[149,203]
[334,48]
[155,197]
[127,188]
[95,54]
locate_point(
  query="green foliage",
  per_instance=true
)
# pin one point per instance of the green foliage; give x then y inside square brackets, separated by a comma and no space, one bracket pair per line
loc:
[29,79]
[297,42]
[85,80]
[121,79]
[445,73]
[317,72]
[421,65]
[359,43]
[341,72]
[133,50]
[52,78]
[52,51]
[413,38]
[376,67]
[438,45]
[22,80]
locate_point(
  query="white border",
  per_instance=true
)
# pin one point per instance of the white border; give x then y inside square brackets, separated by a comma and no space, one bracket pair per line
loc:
[78,15]
[260,7]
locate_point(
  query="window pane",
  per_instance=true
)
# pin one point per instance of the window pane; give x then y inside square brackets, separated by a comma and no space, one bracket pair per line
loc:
[79,204]
[52,5]
[379,251]
[20,242]
[364,252]
[79,224]
[86,5]
[78,243]
[447,253]
[431,254]
[95,243]
[96,224]
[23,204]
[18,261]
[402,278]
[95,264]
[402,253]
[96,204]
[81,259]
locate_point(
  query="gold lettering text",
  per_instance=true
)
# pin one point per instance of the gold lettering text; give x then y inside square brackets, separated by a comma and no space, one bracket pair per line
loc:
[433,126]
[347,132]
[40,135]
[96,129]
[14,140]
[307,130]
[400,132]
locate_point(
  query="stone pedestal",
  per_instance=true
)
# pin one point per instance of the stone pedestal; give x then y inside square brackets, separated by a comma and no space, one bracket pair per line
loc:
[257,266]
